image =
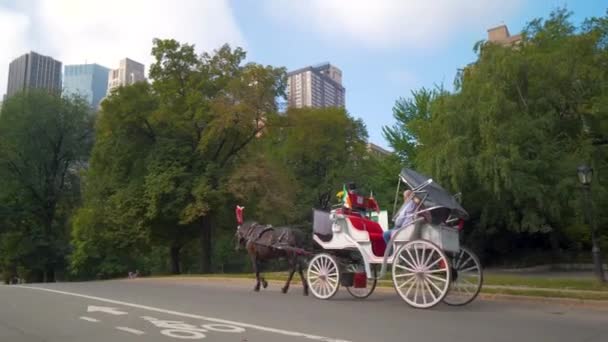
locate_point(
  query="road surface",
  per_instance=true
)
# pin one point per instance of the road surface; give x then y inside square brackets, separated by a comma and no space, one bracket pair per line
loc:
[170,309]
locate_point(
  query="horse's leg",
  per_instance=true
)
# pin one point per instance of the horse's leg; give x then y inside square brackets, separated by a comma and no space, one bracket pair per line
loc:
[262,279]
[292,263]
[256,269]
[300,271]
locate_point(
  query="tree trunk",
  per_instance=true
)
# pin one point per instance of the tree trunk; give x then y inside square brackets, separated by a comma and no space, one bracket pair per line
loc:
[38,276]
[206,251]
[49,274]
[555,250]
[175,259]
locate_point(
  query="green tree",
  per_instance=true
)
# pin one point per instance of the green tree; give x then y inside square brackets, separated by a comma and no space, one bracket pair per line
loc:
[178,141]
[44,141]
[522,118]
[409,112]
[379,176]
[322,148]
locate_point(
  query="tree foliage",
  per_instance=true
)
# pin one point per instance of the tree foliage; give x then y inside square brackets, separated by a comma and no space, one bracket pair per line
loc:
[512,134]
[322,148]
[166,150]
[44,141]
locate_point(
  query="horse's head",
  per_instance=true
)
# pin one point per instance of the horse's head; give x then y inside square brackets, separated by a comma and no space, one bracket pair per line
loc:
[239,241]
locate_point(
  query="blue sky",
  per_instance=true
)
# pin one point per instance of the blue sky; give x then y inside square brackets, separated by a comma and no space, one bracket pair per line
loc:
[385,48]
[375,77]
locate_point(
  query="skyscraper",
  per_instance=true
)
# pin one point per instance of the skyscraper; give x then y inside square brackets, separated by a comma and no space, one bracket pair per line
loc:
[315,86]
[87,80]
[127,73]
[33,71]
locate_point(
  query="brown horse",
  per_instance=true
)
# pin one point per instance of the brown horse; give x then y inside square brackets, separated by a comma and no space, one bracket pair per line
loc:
[264,242]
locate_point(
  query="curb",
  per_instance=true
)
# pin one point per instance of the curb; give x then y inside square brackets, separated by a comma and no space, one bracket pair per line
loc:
[560,267]
[587,303]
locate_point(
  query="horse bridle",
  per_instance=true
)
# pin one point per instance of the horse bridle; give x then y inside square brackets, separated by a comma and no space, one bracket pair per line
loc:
[240,237]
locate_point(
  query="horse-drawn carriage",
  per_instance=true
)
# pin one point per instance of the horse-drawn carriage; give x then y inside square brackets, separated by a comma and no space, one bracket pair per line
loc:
[427,263]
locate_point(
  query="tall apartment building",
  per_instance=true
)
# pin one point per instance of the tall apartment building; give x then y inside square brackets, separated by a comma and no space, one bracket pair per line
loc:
[127,73]
[87,80]
[315,86]
[33,71]
[501,35]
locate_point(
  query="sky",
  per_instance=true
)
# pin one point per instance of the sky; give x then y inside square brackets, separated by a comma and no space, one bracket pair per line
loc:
[385,48]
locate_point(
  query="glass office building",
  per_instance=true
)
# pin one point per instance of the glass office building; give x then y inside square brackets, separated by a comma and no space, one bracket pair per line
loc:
[87,80]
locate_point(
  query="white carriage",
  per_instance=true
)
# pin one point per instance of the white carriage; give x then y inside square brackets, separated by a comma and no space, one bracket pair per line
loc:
[427,263]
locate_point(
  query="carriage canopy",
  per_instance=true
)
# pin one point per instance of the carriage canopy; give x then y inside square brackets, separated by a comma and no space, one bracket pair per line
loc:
[436,196]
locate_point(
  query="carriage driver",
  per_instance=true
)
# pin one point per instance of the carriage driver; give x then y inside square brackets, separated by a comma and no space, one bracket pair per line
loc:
[406,216]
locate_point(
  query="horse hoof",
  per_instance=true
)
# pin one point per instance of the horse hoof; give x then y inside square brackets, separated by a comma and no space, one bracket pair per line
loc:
[284,290]
[265,284]
[256,289]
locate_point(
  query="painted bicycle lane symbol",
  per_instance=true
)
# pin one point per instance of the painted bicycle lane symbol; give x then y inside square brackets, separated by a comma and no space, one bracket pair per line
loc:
[186,331]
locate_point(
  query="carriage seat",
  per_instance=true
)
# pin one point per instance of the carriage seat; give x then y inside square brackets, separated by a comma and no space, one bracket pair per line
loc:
[374,231]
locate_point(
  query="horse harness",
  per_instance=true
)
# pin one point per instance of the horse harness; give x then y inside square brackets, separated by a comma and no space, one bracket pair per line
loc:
[254,239]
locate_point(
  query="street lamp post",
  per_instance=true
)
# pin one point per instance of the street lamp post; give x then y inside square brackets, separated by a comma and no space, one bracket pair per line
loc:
[585,175]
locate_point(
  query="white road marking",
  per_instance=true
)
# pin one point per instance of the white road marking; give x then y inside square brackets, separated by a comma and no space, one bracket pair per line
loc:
[175,325]
[183,314]
[105,309]
[223,328]
[182,330]
[85,318]
[183,334]
[132,331]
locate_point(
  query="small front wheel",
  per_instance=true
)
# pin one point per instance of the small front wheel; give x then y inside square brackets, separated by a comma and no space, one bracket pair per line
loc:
[323,276]
[370,286]
[421,274]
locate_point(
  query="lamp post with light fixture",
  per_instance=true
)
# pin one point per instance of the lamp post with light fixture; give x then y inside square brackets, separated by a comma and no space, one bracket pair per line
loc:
[585,175]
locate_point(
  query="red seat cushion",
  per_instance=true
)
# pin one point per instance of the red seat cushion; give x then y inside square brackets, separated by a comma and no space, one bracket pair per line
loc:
[374,230]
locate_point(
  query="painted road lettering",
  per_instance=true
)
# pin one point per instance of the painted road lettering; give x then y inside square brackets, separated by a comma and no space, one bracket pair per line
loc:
[243,325]
[182,330]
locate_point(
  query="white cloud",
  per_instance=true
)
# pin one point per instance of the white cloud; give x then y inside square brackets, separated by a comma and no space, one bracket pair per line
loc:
[105,31]
[390,23]
[14,26]
[403,78]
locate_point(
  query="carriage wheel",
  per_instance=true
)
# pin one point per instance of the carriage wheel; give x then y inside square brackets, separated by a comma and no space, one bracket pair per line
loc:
[323,276]
[467,277]
[362,293]
[421,274]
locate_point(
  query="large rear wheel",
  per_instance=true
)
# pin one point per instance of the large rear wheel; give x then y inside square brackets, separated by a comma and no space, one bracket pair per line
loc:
[467,278]
[421,274]
[323,276]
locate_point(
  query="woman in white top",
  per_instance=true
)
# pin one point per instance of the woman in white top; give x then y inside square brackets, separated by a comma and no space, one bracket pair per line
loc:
[406,216]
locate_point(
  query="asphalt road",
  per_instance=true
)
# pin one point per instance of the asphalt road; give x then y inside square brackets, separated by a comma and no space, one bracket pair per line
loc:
[225,310]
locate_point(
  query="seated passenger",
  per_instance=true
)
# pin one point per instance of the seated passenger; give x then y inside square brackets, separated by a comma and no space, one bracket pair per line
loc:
[406,216]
